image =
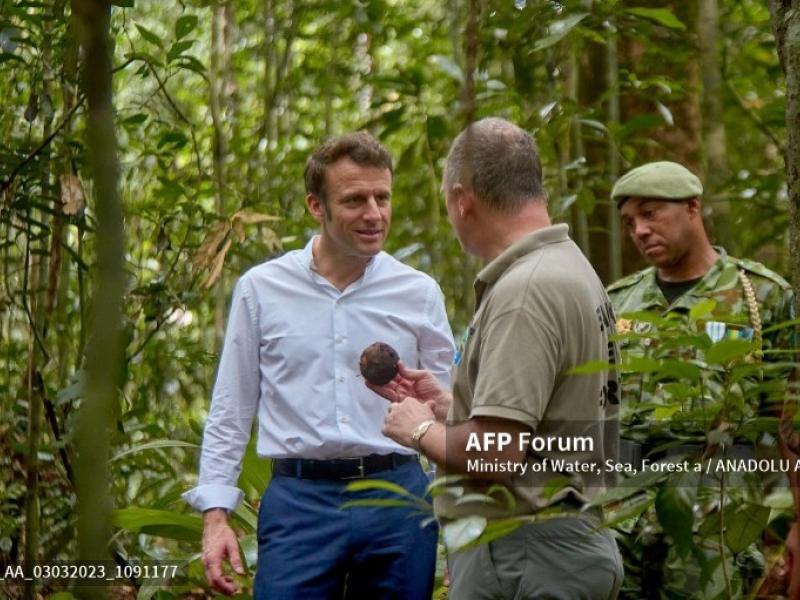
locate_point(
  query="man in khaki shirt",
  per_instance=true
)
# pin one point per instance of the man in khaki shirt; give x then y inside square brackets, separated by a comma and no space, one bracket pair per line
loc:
[519,418]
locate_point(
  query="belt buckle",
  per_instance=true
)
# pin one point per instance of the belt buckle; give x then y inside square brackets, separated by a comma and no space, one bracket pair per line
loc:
[360,474]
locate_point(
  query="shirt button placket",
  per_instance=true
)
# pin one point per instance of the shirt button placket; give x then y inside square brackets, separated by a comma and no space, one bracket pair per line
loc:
[339,358]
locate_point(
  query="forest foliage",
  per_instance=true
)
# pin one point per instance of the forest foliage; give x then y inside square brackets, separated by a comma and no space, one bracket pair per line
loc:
[216,106]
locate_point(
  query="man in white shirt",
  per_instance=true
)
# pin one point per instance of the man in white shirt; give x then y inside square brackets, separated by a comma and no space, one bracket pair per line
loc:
[296,329]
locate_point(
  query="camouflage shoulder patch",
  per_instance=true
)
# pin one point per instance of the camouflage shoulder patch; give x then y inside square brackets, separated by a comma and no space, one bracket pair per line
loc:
[757,268]
[628,281]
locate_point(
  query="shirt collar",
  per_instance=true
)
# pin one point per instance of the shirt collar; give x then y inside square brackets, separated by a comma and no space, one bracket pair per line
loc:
[709,281]
[307,259]
[528,243]
[711,277]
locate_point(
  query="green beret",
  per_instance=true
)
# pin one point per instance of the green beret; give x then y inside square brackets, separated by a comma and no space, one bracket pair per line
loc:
[664,179]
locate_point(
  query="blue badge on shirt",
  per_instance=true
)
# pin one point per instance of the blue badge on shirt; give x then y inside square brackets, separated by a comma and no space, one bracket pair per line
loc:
[464,339]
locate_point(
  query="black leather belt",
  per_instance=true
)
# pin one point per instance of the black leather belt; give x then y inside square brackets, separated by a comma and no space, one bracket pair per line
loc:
[339,468]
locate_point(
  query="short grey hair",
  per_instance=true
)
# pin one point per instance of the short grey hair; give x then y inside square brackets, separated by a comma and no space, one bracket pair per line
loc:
[499,162]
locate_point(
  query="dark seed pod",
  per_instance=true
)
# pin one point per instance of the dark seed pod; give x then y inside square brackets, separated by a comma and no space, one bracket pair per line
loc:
[378,363]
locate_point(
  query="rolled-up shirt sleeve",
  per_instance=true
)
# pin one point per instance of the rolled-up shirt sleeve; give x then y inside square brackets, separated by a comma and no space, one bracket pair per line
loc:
[436,346]
[233,405]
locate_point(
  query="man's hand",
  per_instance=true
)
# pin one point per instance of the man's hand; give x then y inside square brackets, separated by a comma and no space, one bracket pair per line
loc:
[219,542]
[404,417]
[419,384]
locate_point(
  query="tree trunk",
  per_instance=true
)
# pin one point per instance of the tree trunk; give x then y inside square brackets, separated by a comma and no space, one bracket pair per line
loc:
[715,157]
[612,82]
[786,28]
[105,350]
[577,152]
[216,85]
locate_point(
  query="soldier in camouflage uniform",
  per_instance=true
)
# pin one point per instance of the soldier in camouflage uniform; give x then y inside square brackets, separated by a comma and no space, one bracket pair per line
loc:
[691,289]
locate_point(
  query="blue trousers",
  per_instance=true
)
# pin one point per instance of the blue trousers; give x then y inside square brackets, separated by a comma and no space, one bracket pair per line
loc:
[311,549]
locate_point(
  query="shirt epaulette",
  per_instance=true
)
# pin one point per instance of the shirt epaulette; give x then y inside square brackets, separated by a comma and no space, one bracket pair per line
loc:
[627,281]
[757,268]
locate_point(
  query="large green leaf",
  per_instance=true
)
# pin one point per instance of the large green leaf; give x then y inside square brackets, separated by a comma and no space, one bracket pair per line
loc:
[149,36]
[662,16]
[590,367]
[154,445]
[558,30]
[460,532]
[256,472]
[448,66]
[641,480]
[496,529]
[744,526]
[163,523]
[728,350]
[379,484]
[675,509]
[702,309]
[185,25]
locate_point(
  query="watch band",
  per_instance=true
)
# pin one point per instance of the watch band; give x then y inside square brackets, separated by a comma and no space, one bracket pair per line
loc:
[421,430]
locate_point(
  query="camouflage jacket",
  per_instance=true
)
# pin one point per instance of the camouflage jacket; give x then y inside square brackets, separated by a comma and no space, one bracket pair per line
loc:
[664,349]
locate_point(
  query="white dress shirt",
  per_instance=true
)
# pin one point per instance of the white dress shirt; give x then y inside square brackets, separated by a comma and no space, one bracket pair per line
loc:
[291,354]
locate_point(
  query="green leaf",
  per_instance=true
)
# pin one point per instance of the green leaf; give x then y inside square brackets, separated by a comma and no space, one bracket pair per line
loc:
[728,350]
[122,3]
[185,25]
[249,547]
[446,483]
[557,30]
[480,498]
[149,36]
[172,138]
[379,484]
[153,446]
[162,523]
[436,127]
[702,309]
[642,480]
[593,124]
[677,369]
[461,532]
[449,67]
[675,509]
[662,16]
[496,529]
[6,56]
[630,510]
[665,411]
[246,516]
[744,526]
[381,502]
[136,119]
[590,367]
[256,471]
[640,364]
[191,63]
[178,48]
[639,123]
[505,495]
[783,325]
